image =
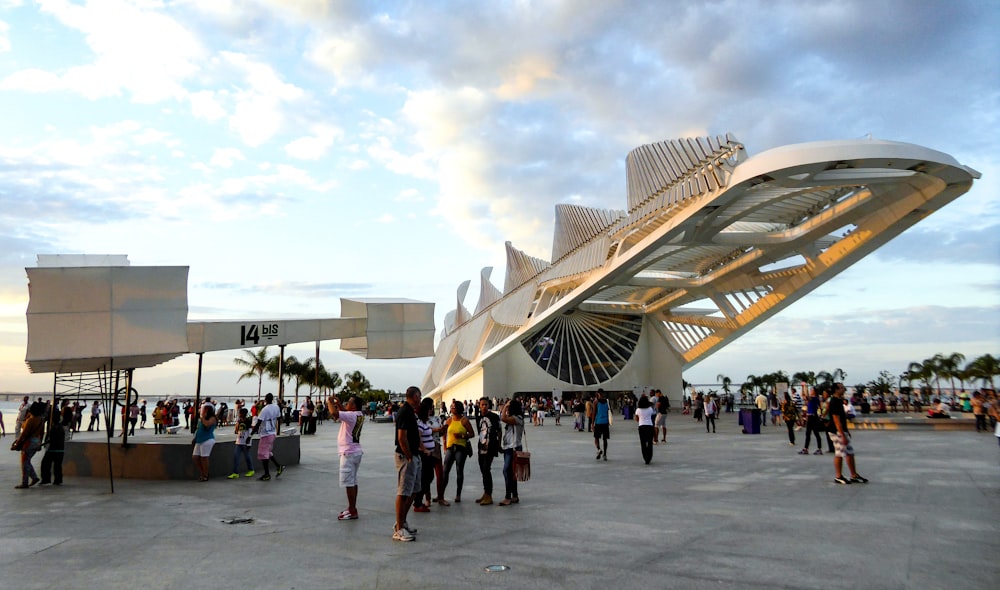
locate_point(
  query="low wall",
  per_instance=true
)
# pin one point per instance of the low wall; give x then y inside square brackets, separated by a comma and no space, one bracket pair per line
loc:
[168,459]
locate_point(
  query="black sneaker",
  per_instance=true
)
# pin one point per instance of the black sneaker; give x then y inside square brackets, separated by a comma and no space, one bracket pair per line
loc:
[280,469]
[842,480]
[264,478]
[858,479]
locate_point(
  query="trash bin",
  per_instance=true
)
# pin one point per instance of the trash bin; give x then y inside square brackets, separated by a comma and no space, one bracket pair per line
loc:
[750,419]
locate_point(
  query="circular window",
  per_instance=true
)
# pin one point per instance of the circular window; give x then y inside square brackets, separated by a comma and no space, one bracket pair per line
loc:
[585,348]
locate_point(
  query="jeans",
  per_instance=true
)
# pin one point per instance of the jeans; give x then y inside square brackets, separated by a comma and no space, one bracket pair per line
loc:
[646,436]
[790,424]
[485,465]
[454,454]
[508,473]
[242,451]
[709,421]
[27,469]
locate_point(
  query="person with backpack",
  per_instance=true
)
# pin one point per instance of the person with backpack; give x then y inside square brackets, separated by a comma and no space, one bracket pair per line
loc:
[602,424]
[489,447]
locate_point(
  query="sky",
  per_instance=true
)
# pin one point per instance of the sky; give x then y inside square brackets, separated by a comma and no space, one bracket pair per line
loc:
[292,152]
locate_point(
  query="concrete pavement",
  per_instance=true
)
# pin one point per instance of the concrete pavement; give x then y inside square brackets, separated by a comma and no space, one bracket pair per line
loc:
[712,511]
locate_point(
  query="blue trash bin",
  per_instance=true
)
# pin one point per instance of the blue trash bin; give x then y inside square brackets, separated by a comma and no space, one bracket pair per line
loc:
[750,419]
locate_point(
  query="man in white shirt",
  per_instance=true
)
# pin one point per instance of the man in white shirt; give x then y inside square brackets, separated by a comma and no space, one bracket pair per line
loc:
[266,424]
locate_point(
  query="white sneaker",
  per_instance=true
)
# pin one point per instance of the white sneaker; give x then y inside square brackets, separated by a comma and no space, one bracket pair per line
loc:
[401,534]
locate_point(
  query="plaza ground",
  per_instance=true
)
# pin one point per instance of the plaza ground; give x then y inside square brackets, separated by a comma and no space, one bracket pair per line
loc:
[722,510]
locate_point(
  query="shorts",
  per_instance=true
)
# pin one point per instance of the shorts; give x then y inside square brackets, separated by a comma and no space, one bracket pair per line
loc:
[349,469]
[264,447]
[602,431]
[407,475]
[661,420]
[203,449]
[841,445]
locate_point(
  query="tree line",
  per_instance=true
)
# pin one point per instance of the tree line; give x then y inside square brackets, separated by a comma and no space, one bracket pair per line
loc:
[929,373]
[311,372]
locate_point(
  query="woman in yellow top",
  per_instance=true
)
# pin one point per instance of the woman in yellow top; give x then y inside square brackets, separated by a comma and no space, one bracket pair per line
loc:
[457,432]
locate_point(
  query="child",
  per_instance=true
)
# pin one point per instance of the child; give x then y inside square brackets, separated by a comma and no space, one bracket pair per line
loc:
[243,442]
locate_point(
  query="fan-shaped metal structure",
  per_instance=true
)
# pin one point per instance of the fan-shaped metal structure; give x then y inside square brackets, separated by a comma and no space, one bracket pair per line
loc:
[712,243]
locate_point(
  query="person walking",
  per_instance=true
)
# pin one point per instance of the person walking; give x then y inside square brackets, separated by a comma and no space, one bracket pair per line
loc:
[513,430]
[790,415]
[352,419]
[266,424]
[813,423]
[23,413]
[489,447]
[457,432]
[602,424]
[644,415]
[841,438]
[28,442]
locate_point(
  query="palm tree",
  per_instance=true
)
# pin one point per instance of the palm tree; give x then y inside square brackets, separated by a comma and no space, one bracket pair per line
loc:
[984,368]
[808,377]
[355,383]
[825,376]
[301,373]
[726,382]
[255,364]
[275,369]
[951,364]
[935,366]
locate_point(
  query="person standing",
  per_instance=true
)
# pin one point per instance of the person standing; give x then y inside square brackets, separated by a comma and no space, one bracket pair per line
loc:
[557,410]
[142,415]
[52,460]
[512,416]
[841,438]
[589,406]
[428,457]
[407,463]
[266,424]
[244,440]
[22,416]
[711,409]
[662,408]
[644,415]
[95,413]
[761,402]
[457,432]
[489,447]
[602,424]
[204,440]
[352,419]
[133,417]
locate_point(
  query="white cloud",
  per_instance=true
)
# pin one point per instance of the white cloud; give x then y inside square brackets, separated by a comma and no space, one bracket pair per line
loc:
[386,218]
[4,40]
[225,157]
[259,112]
[137,49]
[32,80]
[315,146]
[205,105]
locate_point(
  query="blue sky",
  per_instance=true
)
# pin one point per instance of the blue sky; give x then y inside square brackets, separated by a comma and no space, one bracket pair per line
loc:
[294,152]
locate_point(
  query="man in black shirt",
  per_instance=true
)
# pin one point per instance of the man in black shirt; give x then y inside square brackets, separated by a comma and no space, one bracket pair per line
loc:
[841,438]
[407,463]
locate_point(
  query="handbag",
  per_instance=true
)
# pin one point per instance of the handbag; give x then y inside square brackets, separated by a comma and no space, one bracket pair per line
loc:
[522,462]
